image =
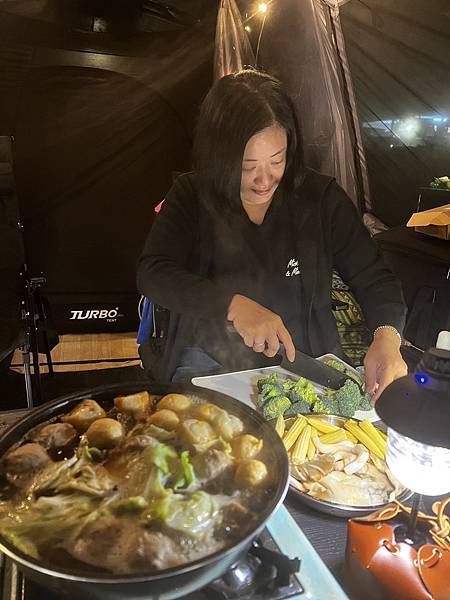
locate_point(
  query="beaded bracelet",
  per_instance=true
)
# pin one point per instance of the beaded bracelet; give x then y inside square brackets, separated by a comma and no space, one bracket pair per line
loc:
[388,327]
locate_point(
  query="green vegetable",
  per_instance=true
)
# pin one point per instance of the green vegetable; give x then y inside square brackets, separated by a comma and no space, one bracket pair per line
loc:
[440,182]
[160,456]
[94,454]
[271,380]
[276,407]
[305,390]
[348,398]
[326,405]
[297,408]
[288,385]
[48,521]
[129,505]
[268,392]
[288,397]
[188,476]
[192,515]
[364,403]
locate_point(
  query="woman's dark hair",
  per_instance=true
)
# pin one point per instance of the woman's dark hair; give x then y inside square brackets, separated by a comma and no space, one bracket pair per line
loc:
[236,107]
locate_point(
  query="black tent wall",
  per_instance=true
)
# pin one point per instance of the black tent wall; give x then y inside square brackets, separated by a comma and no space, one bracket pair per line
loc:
[100,123]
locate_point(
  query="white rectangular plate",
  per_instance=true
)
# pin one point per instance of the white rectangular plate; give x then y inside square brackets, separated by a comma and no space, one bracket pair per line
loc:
[242,385]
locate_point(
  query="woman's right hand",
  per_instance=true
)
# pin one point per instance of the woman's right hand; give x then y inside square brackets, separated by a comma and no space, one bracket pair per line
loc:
[259,327]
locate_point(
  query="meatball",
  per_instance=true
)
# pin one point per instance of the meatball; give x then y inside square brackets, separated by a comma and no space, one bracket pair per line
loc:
[55,436]
[84,414]
[246,446]
[20,465]
[250,473]
[104,433]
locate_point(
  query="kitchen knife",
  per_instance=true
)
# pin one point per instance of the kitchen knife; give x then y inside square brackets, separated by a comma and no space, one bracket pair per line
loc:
[314,370]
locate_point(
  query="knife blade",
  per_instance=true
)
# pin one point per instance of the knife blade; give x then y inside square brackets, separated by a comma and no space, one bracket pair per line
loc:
[314,370]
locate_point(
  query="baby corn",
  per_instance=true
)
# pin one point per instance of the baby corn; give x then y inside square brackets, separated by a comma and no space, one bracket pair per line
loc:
[322,426]
[362,436]
[311,450]
[375,435]
[349,436]
[300,449]
[280,426]
[333,437]
[296,428]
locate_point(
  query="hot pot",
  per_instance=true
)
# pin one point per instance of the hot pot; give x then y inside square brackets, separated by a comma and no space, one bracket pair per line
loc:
[171,583]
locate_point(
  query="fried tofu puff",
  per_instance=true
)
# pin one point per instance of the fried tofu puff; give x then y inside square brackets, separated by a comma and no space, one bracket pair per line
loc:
[176,402]
[84,413]
[105,433]
[226,425]
[196,433]
[250,473]
[164,418]
[134,405]
[246,446]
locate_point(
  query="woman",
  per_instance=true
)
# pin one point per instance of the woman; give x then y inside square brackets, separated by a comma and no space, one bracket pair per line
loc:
[243,250]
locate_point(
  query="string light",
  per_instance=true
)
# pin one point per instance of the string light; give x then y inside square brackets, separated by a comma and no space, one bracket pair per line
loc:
[262,8]
[247,28]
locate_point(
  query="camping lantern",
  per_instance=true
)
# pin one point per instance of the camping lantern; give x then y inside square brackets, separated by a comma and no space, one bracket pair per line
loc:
[403,552]
[416,409]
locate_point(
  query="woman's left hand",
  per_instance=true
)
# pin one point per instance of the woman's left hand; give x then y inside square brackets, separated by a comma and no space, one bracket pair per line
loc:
[383,362]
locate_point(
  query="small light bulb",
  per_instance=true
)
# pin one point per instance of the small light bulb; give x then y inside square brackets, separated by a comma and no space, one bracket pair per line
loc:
[262,7]
[247,28]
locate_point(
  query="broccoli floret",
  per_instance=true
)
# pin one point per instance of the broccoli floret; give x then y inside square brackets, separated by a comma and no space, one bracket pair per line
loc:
[364,403]
[276,407]
[305,391]
[348,398]
[270,380]
[269,391]
[326,405]
[288,385]
[297,408]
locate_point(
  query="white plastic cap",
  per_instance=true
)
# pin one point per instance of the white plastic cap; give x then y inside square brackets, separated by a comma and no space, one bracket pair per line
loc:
[443,341]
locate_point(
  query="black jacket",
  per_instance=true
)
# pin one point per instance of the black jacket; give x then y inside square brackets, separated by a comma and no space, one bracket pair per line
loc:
[173,270]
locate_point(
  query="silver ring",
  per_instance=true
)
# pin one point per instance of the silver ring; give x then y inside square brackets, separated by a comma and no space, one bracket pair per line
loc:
[259,345]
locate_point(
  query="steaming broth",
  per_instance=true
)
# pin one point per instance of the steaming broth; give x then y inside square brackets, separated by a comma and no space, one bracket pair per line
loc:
[145,484]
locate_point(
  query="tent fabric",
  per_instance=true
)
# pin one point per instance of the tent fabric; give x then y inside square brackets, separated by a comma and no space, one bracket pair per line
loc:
[97,137]
[399,57]
[298,46]
[233,50]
